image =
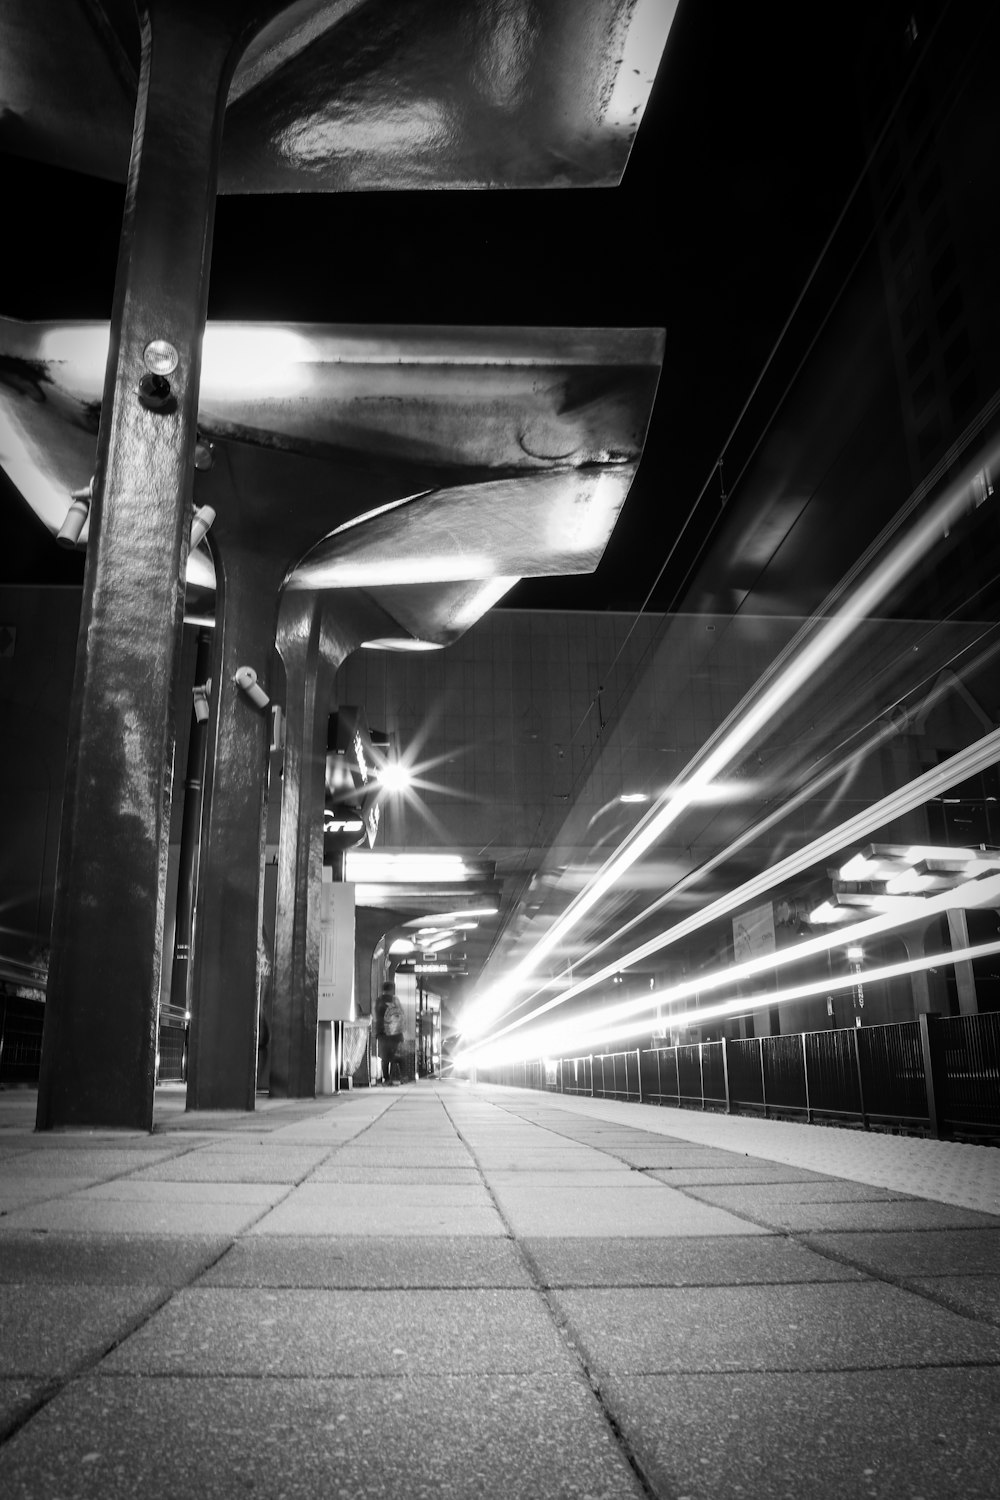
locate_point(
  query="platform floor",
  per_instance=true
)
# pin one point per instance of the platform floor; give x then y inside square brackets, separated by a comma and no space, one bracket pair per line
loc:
[466,1292]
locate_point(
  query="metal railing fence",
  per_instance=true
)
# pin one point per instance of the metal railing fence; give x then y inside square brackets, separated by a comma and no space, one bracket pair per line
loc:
[20,1038]
[937,1073]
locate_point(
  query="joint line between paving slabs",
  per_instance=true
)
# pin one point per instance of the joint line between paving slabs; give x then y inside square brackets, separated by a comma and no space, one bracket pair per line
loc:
[889,1278]
[561,1324]
[801,1239]
[54,1387]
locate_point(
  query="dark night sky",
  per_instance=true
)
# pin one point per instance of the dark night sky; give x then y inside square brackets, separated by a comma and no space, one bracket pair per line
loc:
[748,149]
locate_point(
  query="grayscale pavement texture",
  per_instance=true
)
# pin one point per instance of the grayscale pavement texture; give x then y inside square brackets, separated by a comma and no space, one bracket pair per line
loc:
[459,1291]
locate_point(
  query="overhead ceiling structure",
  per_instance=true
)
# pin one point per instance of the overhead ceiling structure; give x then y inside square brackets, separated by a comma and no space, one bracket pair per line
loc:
[334,96]
[493,454]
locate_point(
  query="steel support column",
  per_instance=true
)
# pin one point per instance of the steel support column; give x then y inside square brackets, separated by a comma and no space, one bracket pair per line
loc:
[100,1030]
[309,674]
[222,1064]
[316,634]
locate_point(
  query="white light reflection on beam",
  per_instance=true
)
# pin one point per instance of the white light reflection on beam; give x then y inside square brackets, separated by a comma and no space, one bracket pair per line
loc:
[562,1040]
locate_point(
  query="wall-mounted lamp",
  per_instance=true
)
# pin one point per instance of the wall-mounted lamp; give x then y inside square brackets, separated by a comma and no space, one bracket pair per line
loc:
[204,516]
[161,359]
[201,696]
[76,517]
[246,681]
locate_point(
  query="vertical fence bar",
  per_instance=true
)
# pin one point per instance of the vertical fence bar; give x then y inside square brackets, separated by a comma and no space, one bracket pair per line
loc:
[861,1084]
[763,1077]
[725,1074]
[638,1071]
[928,1029]
[805,1077]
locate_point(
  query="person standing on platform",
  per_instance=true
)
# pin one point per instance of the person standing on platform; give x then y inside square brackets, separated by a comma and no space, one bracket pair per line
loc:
[390,1034]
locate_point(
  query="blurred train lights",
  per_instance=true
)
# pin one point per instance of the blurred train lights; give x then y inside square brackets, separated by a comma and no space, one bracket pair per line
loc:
[792,674]
[898,909]
[983,892]
[601,1028]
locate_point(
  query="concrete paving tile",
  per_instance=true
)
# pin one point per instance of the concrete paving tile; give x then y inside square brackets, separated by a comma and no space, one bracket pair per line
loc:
[921,1252]
[351,1197]
[612,1210]
[316,1140]
[637,1140]
[52,1330]
[759,1198]
[918,1434]
[138,1142]
[411,1158]
[106,1259]
[19,1192]
[975,1296]
[78,1161]
[862,1325]
[746,1172]
[580,1178]
[417,1261]
[949,1171]
[338,1171]
[898,1214]
[757,1260]
[16,1398]
[373,1214]
[675,1156]
[419,1439]
[142,1190]
[271,1164]
[552,1161]
[282,1332]
[80,1215]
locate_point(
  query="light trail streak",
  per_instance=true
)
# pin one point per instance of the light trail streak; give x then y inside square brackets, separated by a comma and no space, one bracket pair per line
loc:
[985,892]
[976,757]
[553,1041]
[789,674]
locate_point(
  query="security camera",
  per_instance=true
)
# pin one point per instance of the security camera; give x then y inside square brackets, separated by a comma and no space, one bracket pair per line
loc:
[76,517]
[246,681]
[200,694]
[204,515]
